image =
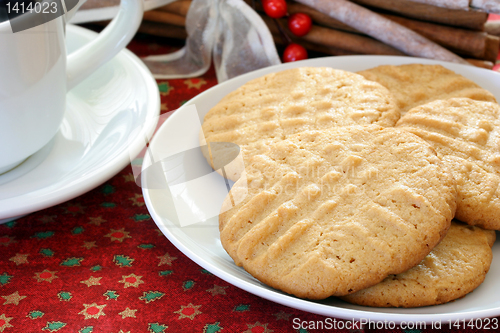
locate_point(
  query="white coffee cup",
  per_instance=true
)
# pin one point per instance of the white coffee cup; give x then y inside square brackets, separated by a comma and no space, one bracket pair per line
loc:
[36,73]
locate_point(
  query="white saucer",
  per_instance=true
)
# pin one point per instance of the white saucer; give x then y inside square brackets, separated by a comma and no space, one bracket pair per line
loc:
[28,164]
[108,120]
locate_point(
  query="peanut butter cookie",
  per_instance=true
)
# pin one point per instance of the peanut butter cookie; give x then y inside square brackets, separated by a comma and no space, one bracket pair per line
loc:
[268,109]
[454,268]
[334,211]
[417,84]
[466,134]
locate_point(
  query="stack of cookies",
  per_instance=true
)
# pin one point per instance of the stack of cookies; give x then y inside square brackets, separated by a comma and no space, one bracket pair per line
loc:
[352,182]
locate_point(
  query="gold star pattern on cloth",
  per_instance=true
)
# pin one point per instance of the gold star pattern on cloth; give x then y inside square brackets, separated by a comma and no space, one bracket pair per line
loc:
[7,240]
[93,311]
[13,298]
[129,177]
[217,290]
[73,208]
[195,83]
[92,281]
[131,280]
[4,322]
[137,200]
[20,258]
[258,327]
[45,275]
[118,235]
[89,245]
[96,220]
[188,311]
[166,260]
[128,313]
[282,315]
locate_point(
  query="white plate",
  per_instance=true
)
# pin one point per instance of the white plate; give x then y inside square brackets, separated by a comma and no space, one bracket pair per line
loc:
[107,119]
[201,243]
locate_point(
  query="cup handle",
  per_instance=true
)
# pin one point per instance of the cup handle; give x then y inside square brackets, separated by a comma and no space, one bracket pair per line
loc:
[119,32]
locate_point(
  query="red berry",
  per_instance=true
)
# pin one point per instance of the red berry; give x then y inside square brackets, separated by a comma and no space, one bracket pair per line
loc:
[299,24]
[294,52]
[274,8]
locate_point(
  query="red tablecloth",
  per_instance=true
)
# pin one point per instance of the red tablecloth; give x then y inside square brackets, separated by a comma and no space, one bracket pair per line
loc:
[98,263]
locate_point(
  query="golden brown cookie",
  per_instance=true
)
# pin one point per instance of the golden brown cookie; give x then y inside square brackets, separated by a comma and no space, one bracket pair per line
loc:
[466,134]
[270,108]
[335,211]
[417,84]
[454,268]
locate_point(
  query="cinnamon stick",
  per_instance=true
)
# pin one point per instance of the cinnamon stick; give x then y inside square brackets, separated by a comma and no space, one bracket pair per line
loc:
[163,30]
[382,29]
[313,47]
[471,19]
[180,7]
[463,41]
[327,50]
[452,4]
[165,17]
[319,17]
[355,43]
[349,42]
[492,47]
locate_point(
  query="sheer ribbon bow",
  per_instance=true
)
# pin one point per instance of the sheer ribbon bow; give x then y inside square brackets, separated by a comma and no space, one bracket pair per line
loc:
[230,31]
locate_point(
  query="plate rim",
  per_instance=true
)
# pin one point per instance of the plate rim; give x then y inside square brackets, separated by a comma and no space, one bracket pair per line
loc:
[276,296]
[99,175]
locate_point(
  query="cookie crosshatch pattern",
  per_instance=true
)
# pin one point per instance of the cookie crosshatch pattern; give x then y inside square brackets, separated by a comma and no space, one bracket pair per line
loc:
[331,212]
[269,109]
